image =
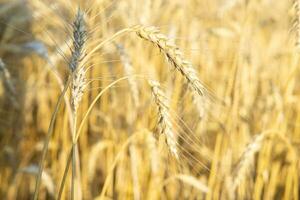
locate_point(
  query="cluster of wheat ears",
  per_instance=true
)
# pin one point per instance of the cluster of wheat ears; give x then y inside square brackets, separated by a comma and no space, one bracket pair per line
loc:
[132,119]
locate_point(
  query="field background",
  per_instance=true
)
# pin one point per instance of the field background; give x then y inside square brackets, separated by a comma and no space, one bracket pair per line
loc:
[242,144]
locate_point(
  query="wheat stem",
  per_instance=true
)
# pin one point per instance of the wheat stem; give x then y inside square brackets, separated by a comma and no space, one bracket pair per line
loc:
[47,139]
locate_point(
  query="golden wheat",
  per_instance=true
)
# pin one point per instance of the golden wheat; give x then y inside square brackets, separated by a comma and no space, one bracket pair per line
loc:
[176,58]
[164,121]
[102,126]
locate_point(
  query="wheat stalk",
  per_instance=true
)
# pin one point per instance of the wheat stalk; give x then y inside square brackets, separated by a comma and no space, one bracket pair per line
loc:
[164,121]
[176,58]
[78,80]
[47,139]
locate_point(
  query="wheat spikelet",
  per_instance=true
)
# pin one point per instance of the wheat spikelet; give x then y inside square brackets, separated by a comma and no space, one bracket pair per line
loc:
[78,86]
[164,122]
[175,57]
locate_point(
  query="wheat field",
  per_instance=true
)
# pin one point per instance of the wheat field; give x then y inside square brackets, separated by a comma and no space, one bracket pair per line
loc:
[149,99]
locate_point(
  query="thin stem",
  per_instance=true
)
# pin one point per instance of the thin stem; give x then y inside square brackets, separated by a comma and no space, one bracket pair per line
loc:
[105,41]
[98,97]
[81,126]
[61,188]
[47,140]
[73,155]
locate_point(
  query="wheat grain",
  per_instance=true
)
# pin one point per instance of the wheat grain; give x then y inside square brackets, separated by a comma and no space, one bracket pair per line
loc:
[164,121]
[176,58]
[79,84]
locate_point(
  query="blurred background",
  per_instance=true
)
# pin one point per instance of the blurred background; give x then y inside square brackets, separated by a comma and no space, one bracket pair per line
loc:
[244,144]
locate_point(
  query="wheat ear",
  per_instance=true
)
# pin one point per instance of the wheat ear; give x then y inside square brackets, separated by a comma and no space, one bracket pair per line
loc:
[164,122]
[176,58]
[247,159]
[79,39]
[78,73]
[78,80]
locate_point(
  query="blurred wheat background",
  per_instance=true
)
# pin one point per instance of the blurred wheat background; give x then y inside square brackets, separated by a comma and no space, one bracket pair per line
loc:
[172,99]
